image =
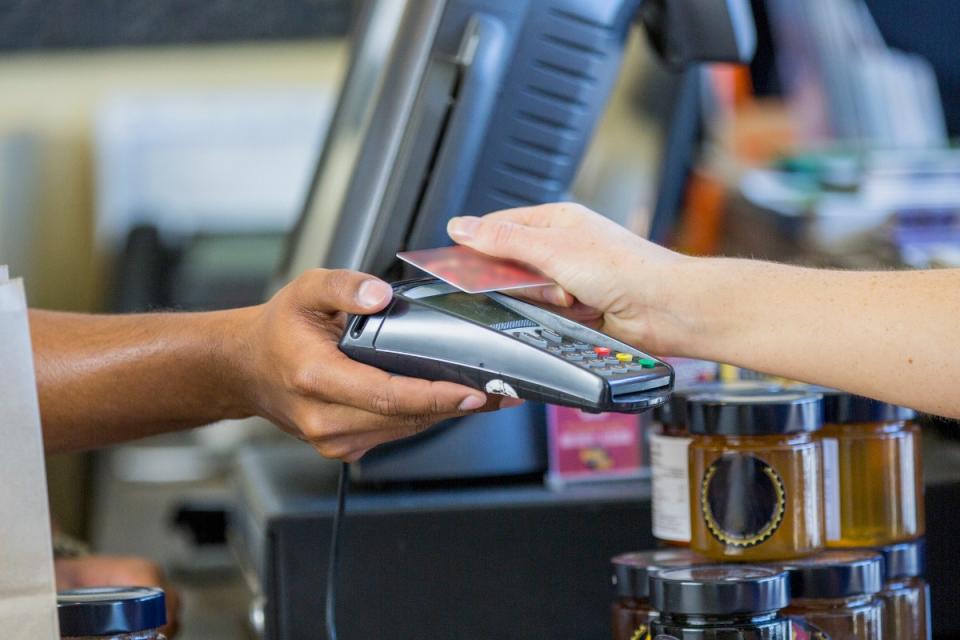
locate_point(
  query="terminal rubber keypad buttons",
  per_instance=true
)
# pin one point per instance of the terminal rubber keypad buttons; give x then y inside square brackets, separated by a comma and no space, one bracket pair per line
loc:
[551,336]
[601,360]
[533,339]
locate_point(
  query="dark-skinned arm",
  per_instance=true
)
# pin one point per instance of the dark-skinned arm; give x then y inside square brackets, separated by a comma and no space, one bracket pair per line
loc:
[104,379]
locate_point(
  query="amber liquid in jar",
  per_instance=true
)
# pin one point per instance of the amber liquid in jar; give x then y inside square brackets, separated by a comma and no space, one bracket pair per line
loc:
[669,456]
[874,483]
[905,609]
[756,498]
[857,618]
[631,619]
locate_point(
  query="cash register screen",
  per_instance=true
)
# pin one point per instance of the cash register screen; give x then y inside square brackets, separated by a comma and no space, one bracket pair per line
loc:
[476,308]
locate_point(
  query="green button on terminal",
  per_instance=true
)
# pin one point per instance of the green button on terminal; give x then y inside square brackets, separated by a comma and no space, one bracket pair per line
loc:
[647,363]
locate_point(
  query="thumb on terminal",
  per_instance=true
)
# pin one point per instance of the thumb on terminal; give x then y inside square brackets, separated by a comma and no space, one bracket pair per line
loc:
[373,294]
[333,290]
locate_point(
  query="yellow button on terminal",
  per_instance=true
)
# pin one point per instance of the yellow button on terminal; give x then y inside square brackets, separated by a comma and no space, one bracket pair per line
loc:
[624,357]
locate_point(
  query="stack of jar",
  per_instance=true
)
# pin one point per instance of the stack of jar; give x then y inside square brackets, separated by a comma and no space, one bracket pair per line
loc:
[815,489]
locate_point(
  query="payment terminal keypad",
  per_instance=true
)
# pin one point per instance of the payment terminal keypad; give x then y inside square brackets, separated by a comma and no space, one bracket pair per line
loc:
[533,338]
[600,360]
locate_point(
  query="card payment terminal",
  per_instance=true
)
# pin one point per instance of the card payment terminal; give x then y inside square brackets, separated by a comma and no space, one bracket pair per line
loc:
[505,346]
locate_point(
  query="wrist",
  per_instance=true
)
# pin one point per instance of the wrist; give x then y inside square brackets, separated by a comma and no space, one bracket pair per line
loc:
[687,310]
[229,355]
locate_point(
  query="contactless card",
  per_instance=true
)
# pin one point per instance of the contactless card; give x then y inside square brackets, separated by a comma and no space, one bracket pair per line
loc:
[472,271]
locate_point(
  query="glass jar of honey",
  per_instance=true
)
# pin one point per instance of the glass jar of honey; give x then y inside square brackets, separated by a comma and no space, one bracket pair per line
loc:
[631,611]
[112,613]
[719,602]
[836,592]
[872,472]
[755,475]
[670,476]
[905,594]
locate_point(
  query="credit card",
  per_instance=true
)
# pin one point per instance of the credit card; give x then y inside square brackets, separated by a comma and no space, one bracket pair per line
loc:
[472,271]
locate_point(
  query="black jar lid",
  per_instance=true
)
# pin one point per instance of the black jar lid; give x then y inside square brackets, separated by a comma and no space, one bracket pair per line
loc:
[760,414]
[840,407]
[903,560]
[105,611]
[631,571]
[719,589]
[836,574]
[673,413]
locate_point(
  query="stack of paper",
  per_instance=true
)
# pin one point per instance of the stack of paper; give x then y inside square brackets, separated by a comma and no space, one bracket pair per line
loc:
[27,593]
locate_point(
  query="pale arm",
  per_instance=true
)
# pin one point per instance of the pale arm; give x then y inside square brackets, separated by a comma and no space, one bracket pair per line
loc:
[888,335]
[894,336]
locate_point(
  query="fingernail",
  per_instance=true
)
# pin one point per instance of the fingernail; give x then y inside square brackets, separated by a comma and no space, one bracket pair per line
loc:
[507,403]
[463,228]
[472,402]
[373,293]
[559,297]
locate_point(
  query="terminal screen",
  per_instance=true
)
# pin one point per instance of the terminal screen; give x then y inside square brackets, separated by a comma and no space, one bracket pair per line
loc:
[475,307]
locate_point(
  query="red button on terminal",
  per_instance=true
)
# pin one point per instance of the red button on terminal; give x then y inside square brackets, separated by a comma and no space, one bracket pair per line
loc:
[601,351]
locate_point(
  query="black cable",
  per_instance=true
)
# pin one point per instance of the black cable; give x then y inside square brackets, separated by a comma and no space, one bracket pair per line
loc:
[333,564]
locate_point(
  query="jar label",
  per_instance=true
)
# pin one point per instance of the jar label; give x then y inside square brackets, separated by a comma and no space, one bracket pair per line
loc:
[831,488]
[641,633]
[671,487]
[742,500]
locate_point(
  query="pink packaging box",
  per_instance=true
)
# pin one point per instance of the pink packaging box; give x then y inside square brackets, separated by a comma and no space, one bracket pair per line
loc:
[593,446]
